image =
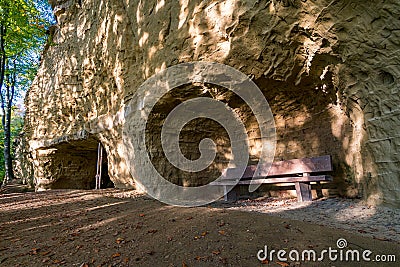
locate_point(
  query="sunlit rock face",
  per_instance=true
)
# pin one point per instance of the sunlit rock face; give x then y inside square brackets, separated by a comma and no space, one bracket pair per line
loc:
[329,70]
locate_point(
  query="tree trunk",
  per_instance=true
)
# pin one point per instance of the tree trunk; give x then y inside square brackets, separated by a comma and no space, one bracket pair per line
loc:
[6,106]
[8,167]
[2,74]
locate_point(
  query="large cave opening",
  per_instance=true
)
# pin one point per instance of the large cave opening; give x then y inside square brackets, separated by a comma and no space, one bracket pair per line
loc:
[75,163]
[309,120]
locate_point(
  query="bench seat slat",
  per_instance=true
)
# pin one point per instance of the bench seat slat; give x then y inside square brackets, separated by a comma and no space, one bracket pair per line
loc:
[316,178]
[286,167]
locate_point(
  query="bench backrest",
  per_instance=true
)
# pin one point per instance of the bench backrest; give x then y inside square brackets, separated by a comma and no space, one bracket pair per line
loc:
[286,167]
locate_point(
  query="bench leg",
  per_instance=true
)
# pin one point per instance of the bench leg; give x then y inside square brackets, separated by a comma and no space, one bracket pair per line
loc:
[229,196]
[225,193]
[319,190]
[303,191]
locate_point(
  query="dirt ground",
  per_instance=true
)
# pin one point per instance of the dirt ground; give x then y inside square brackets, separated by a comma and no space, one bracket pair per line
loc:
[124,228]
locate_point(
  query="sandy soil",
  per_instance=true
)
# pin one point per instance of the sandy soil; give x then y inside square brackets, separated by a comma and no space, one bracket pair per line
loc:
[123,228]
[348,214]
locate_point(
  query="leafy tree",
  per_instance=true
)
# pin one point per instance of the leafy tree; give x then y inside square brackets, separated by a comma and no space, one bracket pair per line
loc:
[17,122]
[22,36]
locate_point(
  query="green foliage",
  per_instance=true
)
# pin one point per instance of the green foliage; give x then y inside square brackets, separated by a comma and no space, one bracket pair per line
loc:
[24,37]
[23,27]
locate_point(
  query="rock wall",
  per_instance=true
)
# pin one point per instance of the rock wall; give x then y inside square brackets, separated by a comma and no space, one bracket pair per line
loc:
[22,163]
[329,70]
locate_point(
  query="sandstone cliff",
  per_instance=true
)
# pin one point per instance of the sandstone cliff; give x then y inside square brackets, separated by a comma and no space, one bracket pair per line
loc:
[329,70]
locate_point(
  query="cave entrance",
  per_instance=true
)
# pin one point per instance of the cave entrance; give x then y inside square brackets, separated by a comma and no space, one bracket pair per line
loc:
[102,179]
[74,165]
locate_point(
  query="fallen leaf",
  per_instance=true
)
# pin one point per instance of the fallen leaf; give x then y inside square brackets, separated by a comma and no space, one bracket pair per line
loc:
[221,232]
[119,240]
[152,231]
[184,264]
[189,218]
[44,253]
[142,214]
[115,255]
[266,261]
[126,260]
[204,233]
[281,263]
[34,251]
[216,252]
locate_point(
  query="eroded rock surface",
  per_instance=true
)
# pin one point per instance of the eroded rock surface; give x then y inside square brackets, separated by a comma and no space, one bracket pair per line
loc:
[329,70]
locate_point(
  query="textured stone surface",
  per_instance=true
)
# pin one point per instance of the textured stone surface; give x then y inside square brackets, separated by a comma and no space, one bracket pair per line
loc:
[329,70]
[22,164]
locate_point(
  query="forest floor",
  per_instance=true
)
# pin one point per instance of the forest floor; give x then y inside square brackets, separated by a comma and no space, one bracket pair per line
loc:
[124,228]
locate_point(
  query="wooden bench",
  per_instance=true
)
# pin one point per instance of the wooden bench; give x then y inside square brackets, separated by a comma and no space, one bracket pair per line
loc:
[301,172]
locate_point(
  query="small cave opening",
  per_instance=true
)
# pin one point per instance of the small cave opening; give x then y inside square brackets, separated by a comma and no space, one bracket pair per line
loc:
[74,165]
[102,170]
